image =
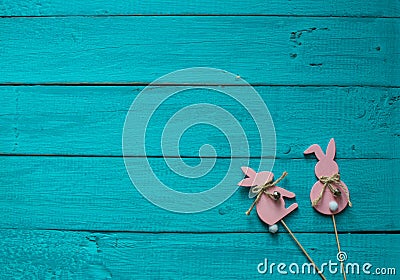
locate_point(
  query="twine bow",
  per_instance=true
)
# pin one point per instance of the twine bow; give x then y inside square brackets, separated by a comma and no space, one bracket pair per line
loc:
[259,190]
[328,182]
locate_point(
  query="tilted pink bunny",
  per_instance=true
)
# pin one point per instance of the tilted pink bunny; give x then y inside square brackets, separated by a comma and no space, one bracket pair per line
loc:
[329,195]
[270,203]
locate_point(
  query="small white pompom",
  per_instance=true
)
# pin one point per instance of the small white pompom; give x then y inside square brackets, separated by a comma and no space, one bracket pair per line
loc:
[273,229]
[333,206]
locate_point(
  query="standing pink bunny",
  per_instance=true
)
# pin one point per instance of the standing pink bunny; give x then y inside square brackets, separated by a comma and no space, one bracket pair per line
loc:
[270,203]
[329,195]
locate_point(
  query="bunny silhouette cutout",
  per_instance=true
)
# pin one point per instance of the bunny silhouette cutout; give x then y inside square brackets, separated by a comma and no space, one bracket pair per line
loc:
[269,210]
[326,166]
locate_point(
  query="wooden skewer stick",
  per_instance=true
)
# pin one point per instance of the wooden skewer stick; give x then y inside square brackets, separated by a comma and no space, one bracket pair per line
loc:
[303,250]
[338,246]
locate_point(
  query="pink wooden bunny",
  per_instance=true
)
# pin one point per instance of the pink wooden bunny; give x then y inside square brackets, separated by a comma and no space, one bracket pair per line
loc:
[329,195]
[270,203]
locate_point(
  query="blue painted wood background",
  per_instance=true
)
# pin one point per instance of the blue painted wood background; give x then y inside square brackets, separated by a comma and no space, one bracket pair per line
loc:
[69,71]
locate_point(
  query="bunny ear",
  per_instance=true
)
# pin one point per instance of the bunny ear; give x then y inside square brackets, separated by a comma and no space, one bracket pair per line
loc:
[248,171]
[316,149]
[331,150]
[248,182]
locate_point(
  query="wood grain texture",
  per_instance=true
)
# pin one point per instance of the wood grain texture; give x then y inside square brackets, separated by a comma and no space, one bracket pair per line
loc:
[375,8]
[97,194]
[90,121]
[85,255]
[69,70]
[284,51]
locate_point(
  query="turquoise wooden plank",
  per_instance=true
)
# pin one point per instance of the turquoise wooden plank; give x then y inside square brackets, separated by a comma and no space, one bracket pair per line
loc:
[97,194]
[262,50]
[84,255]
[373,8]
[90,120]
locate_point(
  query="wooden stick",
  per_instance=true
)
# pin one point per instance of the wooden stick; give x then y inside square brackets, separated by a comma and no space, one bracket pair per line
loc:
[304,250]
[338,246]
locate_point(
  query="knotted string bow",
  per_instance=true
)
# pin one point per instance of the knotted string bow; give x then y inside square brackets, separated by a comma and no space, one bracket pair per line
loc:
[328,182]
[261,189]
